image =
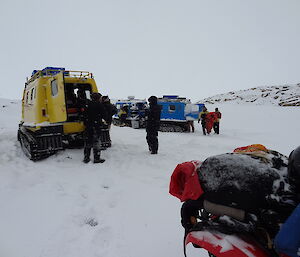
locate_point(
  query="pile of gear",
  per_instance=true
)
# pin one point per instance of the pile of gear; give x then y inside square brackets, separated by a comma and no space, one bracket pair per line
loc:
[251,191]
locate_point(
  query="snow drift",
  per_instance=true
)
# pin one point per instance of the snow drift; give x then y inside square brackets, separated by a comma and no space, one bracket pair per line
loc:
[63,207]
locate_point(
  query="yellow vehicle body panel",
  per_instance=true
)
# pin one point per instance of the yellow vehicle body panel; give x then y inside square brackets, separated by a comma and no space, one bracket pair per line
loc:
[34,102]
[73,127]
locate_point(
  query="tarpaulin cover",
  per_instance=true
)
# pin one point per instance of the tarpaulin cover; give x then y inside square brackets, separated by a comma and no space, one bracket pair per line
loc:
[251,148]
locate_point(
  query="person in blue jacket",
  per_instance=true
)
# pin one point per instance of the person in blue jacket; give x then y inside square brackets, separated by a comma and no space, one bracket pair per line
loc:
[287,241]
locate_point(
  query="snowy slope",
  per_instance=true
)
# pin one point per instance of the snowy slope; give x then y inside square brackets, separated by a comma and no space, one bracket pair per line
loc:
[62,207]
[288,95]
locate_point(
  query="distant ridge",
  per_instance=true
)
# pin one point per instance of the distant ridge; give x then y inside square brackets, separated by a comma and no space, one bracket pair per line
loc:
[287,95]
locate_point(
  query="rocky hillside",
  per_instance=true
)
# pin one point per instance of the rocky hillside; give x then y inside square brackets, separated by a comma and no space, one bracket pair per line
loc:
[288,95]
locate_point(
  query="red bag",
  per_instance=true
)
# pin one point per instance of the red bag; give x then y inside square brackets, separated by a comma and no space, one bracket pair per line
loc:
[185,183]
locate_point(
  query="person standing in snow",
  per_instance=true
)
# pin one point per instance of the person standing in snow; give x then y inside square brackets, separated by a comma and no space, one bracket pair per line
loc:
[190,126]
[202,118]
[216,125]
[94,114]
[110,109]
[152,124]
[123,115]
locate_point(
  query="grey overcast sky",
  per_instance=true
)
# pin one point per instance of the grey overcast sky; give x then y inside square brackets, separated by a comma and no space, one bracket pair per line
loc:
[193,48]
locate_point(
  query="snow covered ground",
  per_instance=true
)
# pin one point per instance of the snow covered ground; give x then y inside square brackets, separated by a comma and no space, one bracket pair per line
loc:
[60,207]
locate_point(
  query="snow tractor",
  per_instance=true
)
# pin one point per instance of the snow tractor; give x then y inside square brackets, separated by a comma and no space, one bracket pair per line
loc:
[52,106]
[176,112]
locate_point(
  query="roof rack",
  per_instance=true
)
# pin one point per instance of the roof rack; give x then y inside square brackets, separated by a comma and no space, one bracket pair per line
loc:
[52,71]
[78,74]
[173,98]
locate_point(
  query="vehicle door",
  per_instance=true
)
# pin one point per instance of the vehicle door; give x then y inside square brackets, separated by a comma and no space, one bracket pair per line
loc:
[56,104]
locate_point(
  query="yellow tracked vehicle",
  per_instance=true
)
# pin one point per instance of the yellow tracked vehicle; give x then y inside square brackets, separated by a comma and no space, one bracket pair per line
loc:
[52,104]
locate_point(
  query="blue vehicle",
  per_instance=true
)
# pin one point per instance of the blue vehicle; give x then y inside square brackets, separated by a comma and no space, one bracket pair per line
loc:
[176,112]
[135,112]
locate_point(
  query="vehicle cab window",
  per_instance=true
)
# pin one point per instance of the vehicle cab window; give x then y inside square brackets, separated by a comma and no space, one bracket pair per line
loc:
[54,88]
[32,94]
[172,108]
[27,97]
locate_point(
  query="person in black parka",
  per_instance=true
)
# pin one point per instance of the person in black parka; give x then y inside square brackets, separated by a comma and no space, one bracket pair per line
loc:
[94,113]
[152,124]
[110,109]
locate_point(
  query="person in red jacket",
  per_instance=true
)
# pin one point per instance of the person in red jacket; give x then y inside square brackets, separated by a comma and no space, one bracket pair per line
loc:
[210,119]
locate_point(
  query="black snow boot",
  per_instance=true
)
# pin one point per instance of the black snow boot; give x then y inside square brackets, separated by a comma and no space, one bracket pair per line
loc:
[154,147]
[87,153]
[97,158]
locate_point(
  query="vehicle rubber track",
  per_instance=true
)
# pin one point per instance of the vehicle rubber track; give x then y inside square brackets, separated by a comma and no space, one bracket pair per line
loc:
[29,145]
[37,147]
[165,127]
